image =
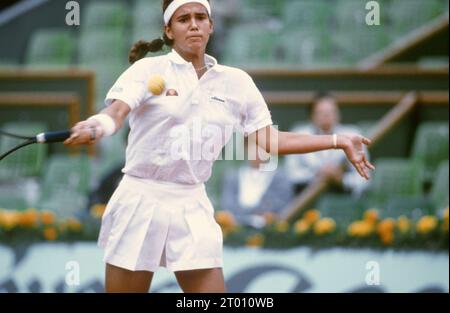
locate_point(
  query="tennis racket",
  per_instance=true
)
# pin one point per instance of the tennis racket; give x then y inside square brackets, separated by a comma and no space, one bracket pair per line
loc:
[47,137]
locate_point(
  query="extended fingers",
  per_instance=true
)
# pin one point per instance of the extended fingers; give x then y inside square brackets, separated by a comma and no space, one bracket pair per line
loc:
[367,163]
[362,170]
[366,141]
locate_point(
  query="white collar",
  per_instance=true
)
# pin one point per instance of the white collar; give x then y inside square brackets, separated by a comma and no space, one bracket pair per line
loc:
[209,60]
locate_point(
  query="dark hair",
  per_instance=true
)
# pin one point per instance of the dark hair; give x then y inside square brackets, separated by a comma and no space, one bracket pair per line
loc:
[142,47]
[321,95]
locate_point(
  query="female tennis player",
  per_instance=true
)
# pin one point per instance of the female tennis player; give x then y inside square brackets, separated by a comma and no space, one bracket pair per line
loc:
[160,215]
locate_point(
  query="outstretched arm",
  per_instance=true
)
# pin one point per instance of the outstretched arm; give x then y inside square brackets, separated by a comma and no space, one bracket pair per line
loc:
[82,131]
[283,143]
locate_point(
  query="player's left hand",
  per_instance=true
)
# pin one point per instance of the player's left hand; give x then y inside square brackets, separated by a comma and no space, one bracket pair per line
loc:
[352,144]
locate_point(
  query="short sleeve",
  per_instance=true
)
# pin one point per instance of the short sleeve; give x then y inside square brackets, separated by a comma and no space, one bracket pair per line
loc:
[130,87]
[256,112]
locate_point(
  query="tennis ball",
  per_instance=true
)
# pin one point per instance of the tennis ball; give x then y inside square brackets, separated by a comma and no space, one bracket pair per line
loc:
[156,85]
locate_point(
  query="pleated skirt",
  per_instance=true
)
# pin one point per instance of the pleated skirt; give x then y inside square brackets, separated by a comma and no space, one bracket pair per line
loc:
[149,224]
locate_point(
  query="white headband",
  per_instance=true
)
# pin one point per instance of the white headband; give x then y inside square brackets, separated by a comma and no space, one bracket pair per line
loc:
[178,3]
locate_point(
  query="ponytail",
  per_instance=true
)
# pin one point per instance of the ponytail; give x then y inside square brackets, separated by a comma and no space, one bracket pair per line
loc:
[142,47]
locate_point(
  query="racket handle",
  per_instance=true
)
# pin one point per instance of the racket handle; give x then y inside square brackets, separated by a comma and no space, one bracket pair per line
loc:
[57,136]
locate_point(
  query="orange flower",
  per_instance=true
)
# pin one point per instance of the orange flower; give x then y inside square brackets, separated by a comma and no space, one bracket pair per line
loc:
[403,224]
[47,217]
[9,219]
[29,218]
[445,219]
[73,224]
[256,240]
[387,238]
[97,210]
[385,231]
[371,216]
[301,227]
[360,229]
[311,216]
[386,226]
[50,233]
[324,226]
[426,224]
[225,218]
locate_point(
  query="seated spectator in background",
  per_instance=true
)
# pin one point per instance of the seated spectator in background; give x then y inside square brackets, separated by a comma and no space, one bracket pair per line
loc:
[303,168]
[248,192]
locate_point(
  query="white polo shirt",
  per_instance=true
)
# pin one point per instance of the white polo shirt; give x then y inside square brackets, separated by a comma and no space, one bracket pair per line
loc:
[177,138]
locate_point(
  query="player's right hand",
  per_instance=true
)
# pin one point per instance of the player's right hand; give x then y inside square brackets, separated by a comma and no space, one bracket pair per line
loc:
[84,133]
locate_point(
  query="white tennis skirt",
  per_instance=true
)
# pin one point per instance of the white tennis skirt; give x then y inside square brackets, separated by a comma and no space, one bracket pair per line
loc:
[149,224]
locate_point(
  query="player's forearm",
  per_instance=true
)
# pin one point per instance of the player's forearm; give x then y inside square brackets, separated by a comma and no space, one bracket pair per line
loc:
[118,111]
[284,143]
[293,143]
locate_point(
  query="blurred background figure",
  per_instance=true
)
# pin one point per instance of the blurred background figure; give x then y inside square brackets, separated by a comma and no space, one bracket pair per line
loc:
[248,191]
[225,15]
[303,168]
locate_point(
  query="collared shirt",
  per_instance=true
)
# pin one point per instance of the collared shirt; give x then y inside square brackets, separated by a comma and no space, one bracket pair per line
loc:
[178,138]
[302,168]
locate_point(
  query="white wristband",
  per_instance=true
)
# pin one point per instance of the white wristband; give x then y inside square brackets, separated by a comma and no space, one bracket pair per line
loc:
[106,122]
[334,141]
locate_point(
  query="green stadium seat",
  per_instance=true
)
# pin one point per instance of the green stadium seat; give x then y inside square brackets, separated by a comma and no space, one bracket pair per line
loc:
[415,207]
[68,173]
[354,45]
[52,48]
[439,194]
[65,185]
[430,146]
[147,14]
[409,206]
[105,14]
[251,46]
[105,76]
[406,15]
[344,209]
[311,49]
[307,14]
[394,178]
[260,9]
[65,204]
[351,14]
[25,162]
[106,46]
[12,200]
